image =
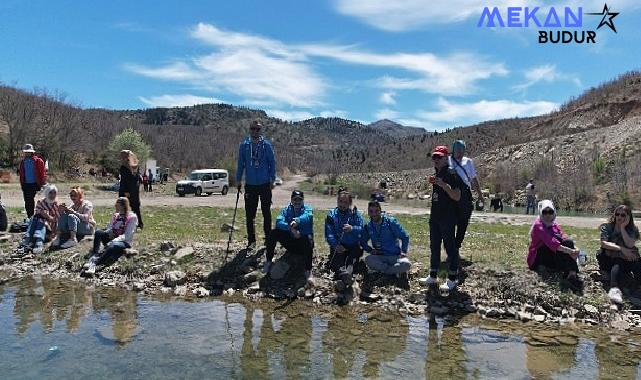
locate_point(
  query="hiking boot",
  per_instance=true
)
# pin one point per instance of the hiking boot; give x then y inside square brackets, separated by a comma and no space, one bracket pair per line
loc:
[72,242]
[615,296]
[56,242]
[267,267]
[447,287]
[427,281]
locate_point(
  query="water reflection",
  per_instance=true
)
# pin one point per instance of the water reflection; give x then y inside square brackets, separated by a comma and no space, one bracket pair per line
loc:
[47,300]
[128,337]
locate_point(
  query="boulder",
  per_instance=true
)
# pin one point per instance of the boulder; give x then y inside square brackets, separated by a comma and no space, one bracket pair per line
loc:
[184,252]
[175,278]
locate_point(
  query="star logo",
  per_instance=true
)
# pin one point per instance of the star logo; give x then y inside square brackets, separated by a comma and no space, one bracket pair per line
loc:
[607,17]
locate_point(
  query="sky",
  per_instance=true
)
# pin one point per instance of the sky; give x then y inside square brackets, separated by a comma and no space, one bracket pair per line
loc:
[422,63]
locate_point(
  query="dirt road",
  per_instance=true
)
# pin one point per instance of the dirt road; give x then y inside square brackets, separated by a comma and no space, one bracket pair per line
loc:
[281,196]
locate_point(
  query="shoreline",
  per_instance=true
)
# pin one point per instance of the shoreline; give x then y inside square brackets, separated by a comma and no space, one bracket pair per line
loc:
[197,270]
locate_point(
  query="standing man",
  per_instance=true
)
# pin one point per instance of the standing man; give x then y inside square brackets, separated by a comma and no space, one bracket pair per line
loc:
[464,167]
[531,197]
[33,176]
[150,178]
[385,254]
[446,193]
[256,161]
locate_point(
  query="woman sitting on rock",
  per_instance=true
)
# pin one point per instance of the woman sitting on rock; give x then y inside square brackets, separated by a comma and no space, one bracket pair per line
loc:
[118,236]
[76,221]
[619,254]
[550,248]
[43,222]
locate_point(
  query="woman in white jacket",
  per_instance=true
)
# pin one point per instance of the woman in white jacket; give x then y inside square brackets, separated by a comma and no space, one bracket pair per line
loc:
[118,236]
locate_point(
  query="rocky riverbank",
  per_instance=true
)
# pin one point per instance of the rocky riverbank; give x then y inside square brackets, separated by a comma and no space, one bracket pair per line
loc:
[201,270]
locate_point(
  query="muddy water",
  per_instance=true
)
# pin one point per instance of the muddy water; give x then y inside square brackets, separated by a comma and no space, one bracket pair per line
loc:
[56,329]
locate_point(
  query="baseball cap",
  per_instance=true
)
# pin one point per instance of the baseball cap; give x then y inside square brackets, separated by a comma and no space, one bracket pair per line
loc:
[297,194]
[440,150]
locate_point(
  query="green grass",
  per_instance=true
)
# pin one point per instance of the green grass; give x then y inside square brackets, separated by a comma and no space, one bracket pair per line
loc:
[493,245]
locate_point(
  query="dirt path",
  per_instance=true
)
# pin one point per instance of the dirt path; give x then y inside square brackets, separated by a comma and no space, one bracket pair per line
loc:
[281,196]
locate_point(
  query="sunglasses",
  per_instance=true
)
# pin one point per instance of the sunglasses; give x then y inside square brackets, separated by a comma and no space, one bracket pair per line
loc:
[254,129]
[620,214]
[547,212]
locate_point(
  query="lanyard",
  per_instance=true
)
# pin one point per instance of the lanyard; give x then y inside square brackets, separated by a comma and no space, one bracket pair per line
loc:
[338,226]
[258,153]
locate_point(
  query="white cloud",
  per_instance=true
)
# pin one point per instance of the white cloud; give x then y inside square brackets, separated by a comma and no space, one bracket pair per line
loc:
[403,15]
[388,98]
[268,72]
[483,110]
[334,113]
[386,113]
[455,74]
[546,73]
[177,100]
[290,115]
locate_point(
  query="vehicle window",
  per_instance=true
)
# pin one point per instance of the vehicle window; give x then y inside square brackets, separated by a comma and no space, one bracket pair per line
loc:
[206,177]
[216,175]
[195,176]
[223,175]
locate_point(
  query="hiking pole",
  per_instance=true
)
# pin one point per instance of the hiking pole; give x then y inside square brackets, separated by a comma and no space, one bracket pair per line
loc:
[233,223]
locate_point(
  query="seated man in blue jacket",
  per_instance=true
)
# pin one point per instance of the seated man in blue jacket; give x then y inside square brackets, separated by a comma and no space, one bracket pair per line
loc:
[343,228]
[294,231]
[385,231]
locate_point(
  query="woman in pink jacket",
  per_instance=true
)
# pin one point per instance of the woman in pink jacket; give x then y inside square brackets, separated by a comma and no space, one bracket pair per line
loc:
[550,248]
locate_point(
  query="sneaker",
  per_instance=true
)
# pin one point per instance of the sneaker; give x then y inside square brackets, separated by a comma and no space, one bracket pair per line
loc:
[69,243]
[251,246]
[309,277]
[615,295]
[448,286]
[56,242]
[267,267]
[38,249]
[427,281]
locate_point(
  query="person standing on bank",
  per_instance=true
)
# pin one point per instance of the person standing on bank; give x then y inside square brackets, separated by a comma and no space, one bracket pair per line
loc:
[530,194]
[464,167]
[33,176]
[446,193]
[130,182]
[256,161]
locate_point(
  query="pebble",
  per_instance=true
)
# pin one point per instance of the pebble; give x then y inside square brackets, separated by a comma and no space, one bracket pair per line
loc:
[591,309]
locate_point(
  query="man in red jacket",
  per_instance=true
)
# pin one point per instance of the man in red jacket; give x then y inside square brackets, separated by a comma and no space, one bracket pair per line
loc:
[33,176]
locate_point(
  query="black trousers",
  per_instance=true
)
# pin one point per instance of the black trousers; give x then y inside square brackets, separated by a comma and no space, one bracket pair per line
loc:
[617,267]
[556,261]
[29,191]
[443,231]
[302,246]
[252,194]
[350,257]
[464,213]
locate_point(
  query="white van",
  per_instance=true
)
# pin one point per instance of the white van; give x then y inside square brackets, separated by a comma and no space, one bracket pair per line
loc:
[206,181]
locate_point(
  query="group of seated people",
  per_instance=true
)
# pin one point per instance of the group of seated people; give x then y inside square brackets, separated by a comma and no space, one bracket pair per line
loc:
[68,224]
[551,249]
[347,235]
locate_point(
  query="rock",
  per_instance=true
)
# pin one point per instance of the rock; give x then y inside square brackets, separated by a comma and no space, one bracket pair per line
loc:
[470,308]
[5,237]
[226,227]
[167,246]
[184,252]
[252,277]
[175,278]
[253,288]
[525,316]
[300,292]
[493,313]
[180,291]
[370,297]
[591,309]
[620,325]
[139,286]
[279,270]
[165,290]
[200,292]
[539,317]
[229,292]
[130,252]
[614,308]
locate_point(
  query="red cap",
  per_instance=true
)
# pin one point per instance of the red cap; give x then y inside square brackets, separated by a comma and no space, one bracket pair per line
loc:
[440,150]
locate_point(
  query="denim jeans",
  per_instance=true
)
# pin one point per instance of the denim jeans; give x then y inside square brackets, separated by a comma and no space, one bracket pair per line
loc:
[69,222]
[36,231]
[391,264]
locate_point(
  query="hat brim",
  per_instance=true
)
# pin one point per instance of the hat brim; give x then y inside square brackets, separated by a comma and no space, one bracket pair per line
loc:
[28,151]
[440,154]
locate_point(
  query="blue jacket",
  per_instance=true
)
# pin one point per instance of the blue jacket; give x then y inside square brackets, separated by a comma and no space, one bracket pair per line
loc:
[304,218]
[386,236]
[334,228]
[259,170]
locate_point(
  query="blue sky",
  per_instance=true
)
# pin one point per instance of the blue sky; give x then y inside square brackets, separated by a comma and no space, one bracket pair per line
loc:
[419,62]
